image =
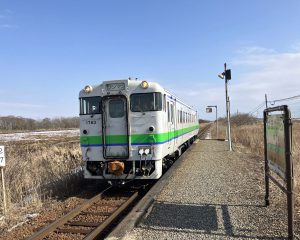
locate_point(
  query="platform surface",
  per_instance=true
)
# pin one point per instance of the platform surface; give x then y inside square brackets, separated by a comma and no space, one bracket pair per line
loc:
[214,194]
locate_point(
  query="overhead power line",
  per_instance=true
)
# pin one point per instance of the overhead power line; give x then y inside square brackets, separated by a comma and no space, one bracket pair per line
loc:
[284,99]
[257,108]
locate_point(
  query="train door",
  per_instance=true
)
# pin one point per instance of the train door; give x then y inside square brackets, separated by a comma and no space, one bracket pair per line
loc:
[115,127]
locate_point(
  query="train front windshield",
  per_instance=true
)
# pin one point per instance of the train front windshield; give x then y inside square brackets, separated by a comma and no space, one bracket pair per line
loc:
[90,105]
[145,102]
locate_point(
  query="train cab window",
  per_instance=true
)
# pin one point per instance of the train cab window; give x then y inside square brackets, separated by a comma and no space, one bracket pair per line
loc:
[90,105]
[116,108]
[145,102]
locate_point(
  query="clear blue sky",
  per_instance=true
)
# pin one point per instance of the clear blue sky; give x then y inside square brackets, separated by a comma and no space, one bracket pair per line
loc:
[51,49]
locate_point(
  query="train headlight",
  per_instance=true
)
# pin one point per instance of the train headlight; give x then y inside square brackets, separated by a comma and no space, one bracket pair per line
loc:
[144,84]
[88,89]
[141,151]
[145,150]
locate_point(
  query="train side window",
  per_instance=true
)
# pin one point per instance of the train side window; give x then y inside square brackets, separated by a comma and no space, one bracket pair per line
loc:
[165,102]
[172,113]
[181,117]
[168,110]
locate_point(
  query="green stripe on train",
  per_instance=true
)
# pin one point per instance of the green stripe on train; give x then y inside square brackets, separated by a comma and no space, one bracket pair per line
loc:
[136,138]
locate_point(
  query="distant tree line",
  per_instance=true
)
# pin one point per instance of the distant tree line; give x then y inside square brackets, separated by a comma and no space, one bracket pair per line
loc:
[203,120]
[239,119]
[9,123]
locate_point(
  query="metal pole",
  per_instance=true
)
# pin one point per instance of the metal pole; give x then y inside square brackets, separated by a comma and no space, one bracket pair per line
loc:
[227,111]
[266,99]
[289,173]
[217,122]
[3,191]
[267,170]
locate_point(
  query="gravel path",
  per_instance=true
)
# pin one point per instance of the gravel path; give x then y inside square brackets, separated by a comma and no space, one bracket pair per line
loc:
[215,194]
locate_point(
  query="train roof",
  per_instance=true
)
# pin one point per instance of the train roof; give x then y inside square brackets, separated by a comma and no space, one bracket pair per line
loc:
[131,86]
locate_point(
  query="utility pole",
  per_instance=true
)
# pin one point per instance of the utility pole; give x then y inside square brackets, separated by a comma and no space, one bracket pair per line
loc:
[228,106]
[227,75]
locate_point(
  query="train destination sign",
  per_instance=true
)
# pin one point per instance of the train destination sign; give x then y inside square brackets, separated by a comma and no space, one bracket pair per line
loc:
[276,144]
[115,86]
[2,157]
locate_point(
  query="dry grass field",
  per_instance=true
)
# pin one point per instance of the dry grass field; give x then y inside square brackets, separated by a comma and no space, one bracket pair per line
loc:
[249,138]
[39,165]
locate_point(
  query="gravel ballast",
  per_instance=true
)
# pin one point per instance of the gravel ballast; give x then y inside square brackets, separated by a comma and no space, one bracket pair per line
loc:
[215,194]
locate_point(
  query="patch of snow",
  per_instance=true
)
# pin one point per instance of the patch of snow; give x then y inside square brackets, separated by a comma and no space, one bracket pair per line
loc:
[38,135]
[31,216]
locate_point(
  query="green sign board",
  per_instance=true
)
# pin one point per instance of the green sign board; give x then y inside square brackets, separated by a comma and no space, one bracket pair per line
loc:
[276,144]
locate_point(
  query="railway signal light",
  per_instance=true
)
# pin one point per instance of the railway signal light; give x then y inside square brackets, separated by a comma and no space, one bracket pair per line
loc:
[226,74]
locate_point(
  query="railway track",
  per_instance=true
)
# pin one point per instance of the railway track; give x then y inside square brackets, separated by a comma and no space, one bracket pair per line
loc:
[204,130]
[90,219]
[94,216]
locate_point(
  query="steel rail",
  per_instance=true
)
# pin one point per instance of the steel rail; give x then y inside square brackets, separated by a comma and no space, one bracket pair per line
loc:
[111,218]
[204,130]
[50,228]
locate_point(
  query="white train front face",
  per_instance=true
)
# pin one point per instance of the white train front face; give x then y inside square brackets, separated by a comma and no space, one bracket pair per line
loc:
[127,127]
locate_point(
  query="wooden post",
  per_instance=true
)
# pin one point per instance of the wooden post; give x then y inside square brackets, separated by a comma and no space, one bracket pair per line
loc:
[3,191]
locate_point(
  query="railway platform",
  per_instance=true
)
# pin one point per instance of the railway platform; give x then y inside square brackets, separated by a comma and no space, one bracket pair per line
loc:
[210,193]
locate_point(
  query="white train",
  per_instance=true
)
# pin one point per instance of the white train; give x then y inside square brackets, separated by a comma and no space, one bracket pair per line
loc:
[131,129]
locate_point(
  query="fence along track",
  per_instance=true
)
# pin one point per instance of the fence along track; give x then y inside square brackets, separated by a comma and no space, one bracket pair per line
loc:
[94,208]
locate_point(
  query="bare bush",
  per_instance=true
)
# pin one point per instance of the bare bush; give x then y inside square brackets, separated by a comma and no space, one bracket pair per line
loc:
[240,119]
